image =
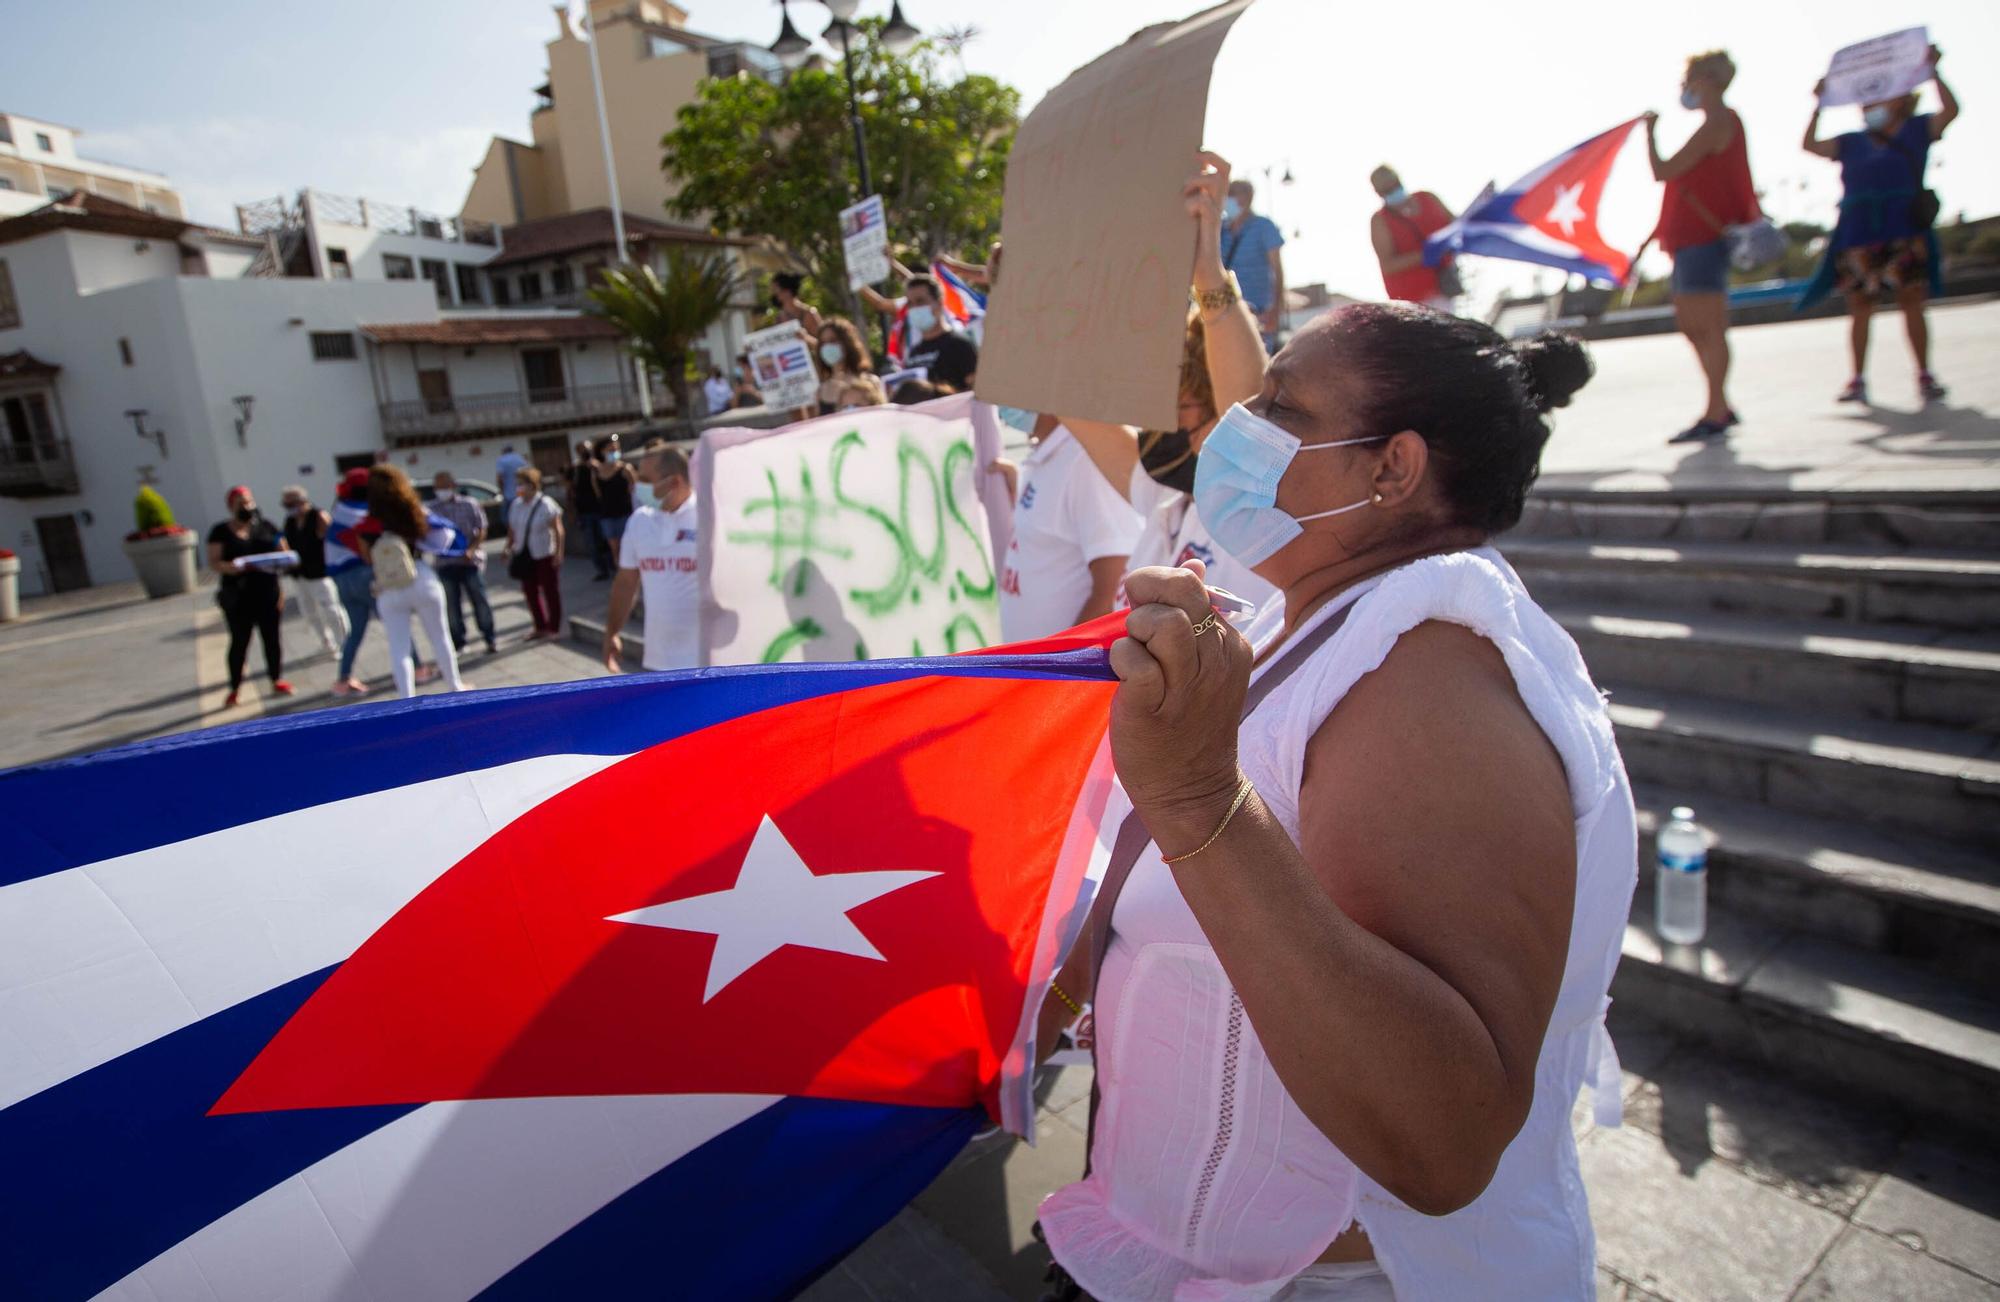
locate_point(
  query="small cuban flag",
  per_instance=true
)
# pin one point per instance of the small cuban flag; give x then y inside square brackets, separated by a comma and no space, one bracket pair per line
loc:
[1548,217]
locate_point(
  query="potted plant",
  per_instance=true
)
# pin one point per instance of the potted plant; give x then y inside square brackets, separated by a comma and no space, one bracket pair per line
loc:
[10,586]
[162,551]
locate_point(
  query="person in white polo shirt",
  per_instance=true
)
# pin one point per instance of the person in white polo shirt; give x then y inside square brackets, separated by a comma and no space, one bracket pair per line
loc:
[658,555]
[1072,534]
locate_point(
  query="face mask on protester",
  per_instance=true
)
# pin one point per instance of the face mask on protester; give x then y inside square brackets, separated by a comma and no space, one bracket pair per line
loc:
[832,354]
[1395,196]
[643,495]
[1689,99]
[446,494]
[1231,209]
[246,514]
[1236,484]
[613,456]
[922,317]
[1878,116]
[1168,456]
[1017,418]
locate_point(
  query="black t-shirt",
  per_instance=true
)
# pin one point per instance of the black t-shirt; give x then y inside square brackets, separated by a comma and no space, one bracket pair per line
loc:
[951,358]
[583,492]
[614,495]
[253,584]
[308,538]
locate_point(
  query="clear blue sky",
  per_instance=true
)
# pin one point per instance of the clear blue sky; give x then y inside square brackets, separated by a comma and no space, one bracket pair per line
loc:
[237,100]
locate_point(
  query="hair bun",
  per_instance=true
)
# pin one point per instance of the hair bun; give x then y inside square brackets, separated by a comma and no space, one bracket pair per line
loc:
[1557,365]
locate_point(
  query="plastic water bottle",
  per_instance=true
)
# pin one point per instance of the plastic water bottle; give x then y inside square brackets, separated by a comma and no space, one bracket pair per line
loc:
[1681,907]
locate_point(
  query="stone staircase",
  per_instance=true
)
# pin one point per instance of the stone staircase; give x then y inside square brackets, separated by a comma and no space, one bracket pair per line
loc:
[1819,677]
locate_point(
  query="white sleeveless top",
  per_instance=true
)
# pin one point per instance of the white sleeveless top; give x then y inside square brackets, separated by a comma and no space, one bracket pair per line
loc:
[1207,1182]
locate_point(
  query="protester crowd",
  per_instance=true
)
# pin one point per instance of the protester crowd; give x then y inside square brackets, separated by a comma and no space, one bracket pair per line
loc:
[1406,833]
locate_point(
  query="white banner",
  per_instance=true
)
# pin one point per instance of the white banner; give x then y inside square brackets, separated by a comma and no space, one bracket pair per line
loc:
[857,536]
[781,364]
[864,233]
[1869,71]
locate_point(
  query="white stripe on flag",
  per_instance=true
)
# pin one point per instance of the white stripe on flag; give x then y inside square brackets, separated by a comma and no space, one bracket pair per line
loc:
[437,1204]
[98,960]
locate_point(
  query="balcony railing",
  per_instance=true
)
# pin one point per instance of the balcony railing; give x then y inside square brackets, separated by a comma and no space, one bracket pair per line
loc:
[435,420]
[266,215]
[36,468]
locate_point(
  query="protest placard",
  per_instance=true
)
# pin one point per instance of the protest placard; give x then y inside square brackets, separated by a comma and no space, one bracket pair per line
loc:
[1878,69]
[782,365]
[864,233]
[1088,319]
[849,537]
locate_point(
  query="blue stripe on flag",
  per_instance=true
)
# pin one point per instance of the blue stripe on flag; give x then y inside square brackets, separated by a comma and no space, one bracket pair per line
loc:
[159,792]
[112,1167]
[757,1212]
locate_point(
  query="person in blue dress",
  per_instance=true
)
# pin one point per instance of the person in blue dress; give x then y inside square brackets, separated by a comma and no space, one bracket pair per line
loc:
[1884,238]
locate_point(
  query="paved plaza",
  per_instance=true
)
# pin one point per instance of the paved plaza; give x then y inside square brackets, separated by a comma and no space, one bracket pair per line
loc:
[1726,1181]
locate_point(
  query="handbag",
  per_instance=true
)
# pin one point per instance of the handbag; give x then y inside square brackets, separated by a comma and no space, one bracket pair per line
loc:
[1924,204]
[521,565]
[1752,244]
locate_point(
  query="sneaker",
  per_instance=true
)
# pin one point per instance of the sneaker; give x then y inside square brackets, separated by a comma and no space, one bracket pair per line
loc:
[229,700]
[1856,391]
[491,648]
[283,688]
[1929,388]
[1702,431]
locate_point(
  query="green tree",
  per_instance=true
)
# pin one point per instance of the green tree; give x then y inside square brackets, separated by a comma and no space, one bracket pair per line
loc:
[778,160]
[662,316]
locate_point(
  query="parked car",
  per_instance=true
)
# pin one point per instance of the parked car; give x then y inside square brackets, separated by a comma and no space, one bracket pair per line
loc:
[486,493]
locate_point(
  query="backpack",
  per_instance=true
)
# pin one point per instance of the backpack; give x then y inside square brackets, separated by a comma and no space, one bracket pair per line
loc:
[395,564]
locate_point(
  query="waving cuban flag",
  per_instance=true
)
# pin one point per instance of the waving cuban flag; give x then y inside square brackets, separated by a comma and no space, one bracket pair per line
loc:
[675,985]
[1547,217]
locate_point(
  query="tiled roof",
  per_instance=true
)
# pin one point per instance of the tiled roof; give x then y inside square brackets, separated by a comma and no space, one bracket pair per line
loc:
[473,330]
[91,212]
[15,365]
[549,237]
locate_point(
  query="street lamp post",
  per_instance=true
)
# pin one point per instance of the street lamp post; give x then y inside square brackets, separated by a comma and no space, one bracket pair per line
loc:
[898,35]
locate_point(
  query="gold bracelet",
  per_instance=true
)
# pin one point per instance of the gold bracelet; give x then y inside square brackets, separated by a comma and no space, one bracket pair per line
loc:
[1242,794]
[1214,300]
[1062,997]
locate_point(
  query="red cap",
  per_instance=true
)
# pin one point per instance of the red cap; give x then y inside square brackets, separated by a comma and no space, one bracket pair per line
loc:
[355,481]
[241,490]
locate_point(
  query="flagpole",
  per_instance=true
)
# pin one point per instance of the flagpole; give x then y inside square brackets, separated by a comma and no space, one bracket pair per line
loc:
[617,205]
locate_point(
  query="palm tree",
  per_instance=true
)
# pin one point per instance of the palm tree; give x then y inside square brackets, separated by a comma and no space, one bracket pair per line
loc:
[662,316]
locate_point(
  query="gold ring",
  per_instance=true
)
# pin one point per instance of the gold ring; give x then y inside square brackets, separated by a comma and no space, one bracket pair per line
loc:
[1214,619]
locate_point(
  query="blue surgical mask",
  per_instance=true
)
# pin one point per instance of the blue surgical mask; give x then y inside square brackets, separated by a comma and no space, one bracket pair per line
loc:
[1690,100]
[1877,116]
[1236,484]
[1231,209]
[1015,418]
[1395,196]
[613,456]
[831,354]
[922,317]
[643,495]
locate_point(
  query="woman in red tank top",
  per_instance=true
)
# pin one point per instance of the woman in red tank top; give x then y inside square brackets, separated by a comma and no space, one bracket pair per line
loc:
[1708,190]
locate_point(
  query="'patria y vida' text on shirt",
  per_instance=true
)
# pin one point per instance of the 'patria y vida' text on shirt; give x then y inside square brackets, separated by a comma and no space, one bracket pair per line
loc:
[660,544]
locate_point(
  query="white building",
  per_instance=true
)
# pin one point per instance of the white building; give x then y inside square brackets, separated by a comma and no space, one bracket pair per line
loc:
[39,162]
[135,348]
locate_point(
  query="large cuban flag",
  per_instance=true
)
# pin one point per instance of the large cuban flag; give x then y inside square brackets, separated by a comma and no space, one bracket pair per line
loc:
[1548,217]
[675,985]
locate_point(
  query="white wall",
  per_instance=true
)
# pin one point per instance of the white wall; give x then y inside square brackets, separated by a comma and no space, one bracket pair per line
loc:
[196,342]
[99,262]
[366,246]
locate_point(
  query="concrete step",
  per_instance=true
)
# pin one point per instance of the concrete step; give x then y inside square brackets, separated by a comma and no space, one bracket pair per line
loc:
[1934,589]
[1894,673]
[1936,781]
[1829,1014]
[1933,903]
[1869,517]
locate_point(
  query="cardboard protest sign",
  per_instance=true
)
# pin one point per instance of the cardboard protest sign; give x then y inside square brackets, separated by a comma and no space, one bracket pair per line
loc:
[849,537]
[782,366]
[1088,317]
[864,234]
[1878,69]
